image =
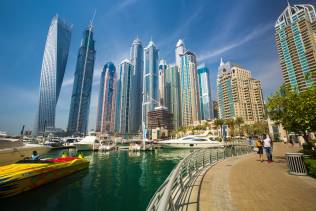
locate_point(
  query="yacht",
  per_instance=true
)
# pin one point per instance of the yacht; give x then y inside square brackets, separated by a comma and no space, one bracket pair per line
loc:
[88,143]
[13,150]
[192,141]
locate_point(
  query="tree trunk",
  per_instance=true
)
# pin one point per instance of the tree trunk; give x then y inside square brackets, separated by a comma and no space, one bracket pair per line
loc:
[306,137]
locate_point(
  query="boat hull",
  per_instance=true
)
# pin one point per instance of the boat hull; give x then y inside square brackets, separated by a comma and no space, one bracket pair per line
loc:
[18,178]
[12,155]
[189,145]
[86,147]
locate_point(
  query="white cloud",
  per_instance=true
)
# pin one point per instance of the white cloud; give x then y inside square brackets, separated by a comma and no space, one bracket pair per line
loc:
[68,82]
[248,37]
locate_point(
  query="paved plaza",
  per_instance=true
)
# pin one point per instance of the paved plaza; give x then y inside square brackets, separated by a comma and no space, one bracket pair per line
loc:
[244,183]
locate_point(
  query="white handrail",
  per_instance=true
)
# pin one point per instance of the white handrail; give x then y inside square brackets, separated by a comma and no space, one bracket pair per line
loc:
[169,194]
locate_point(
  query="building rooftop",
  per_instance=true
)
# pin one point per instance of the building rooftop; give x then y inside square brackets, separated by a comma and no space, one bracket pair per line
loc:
[290,10]
[180,43]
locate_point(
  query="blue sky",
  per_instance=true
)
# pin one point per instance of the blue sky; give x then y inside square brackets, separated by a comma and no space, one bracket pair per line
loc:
[240,31]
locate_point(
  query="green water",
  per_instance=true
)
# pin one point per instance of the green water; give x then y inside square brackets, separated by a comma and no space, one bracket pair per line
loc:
[117,180]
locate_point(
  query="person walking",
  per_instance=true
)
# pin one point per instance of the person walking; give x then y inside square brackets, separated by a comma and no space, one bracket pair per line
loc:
[259,145]
[285,140]
[267,144]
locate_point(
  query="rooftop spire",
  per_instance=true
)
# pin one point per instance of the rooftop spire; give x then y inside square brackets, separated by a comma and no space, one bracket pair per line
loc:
[222,61]
[91,21]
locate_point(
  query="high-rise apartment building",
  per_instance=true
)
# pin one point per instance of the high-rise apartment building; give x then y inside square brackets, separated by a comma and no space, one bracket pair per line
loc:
[172,93]
[150,80]
[206,105]
[52,73]
[81,92]
[295,34]
[239,95]
[123,120]
[106,105]
[137,61]
[161,78]
[189,97]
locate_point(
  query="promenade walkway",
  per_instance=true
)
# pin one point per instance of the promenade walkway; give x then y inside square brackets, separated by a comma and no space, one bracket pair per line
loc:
[244,183]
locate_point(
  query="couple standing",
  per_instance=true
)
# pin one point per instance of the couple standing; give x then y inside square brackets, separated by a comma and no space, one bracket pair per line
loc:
[266,143]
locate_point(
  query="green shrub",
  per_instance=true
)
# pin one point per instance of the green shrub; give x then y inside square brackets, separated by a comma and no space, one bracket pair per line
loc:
[310,166]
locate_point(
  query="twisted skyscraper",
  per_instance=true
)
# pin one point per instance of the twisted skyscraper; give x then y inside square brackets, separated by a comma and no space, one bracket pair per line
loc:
[52,73]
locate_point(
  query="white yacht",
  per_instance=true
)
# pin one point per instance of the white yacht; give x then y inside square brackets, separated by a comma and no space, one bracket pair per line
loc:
[192,141]
[88,143]
[13,150]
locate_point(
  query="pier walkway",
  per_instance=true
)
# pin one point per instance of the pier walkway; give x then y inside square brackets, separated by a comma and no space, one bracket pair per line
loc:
[244,183]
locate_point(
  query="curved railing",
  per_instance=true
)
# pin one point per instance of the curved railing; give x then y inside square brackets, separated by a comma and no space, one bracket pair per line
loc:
[171,193]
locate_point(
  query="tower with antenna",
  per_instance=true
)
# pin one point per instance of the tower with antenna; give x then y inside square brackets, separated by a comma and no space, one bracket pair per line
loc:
[81,93]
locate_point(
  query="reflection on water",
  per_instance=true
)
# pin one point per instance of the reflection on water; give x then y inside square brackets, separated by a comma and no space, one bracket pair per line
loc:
[117,180]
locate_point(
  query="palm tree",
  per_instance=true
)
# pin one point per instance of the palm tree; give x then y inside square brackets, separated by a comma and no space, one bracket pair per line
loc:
[239,121]
[219,123]
[231,125]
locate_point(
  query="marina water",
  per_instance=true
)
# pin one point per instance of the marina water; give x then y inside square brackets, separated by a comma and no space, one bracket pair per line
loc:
[117,180]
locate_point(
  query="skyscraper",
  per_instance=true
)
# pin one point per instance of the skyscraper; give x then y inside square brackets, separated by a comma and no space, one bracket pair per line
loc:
[123,120]
[81,91]
[150,81]
[106,99]
[206,105]
[137,52]
[52,73]
[295,32]
[239,95]
[161,78]
[190,104]
[172,93]
[180,50]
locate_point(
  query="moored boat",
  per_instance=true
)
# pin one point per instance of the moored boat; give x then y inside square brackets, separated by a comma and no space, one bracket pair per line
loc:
[27,174]
[197,141]
[89,143]
[13,150]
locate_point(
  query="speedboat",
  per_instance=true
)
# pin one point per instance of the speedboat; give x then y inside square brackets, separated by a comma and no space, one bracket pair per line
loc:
[13,150]
[107,146]
[192,141]
[28,174]
[88,143]
[53,142]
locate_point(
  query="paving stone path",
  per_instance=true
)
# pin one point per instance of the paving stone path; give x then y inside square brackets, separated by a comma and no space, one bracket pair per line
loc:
[244,183]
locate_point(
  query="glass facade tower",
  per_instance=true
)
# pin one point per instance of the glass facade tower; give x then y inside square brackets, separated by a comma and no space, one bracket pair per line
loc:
[52,73]
[106,103]
[206,105]
[190,104]
[137,52]
[150,81]
[161,78]
[172,93]
[123,120]
[81,92]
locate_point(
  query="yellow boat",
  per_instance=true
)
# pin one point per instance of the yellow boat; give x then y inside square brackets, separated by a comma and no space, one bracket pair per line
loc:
[26,175]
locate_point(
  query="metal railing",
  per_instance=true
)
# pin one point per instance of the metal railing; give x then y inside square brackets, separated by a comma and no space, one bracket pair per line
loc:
[170,194]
